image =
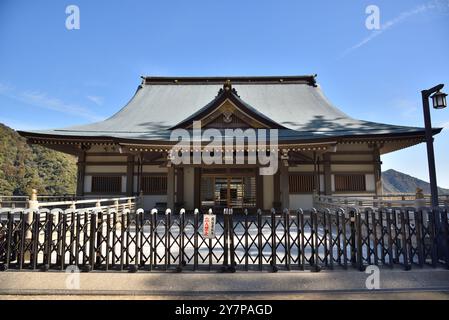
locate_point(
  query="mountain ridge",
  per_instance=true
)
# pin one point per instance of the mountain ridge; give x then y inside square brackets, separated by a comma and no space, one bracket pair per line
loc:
[394,181]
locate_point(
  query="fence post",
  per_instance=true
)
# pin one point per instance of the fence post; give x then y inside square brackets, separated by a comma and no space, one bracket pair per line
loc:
[225,239]
[273,240]
[246,240]
[195,239]
[287,238]
[231,241]
[181,240]
[352,217]
[420,201]
[259,237]
[446,235]
[153,244]
[314,241]
[359,235]
[167,238]
[33,205]
[116,205]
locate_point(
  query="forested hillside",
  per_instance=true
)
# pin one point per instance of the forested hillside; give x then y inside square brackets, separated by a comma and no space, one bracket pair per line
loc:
[24,167]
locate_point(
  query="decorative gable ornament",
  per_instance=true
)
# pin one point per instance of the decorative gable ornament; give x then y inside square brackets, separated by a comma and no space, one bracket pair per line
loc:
[227,113]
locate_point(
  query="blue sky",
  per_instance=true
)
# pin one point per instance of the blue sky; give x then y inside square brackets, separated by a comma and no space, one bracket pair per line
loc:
[53,77]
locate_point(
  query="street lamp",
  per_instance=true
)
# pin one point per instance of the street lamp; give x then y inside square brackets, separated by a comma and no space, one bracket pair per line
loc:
[439,102]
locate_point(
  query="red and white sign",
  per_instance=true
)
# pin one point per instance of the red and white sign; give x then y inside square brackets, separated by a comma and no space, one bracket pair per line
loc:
[209,226]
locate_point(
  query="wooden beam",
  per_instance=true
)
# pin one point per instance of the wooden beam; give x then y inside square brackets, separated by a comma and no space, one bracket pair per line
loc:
[327,174]
[277,187]
[284,185]
[130,176]
[259,190]
[179,184]
[378,171]
[171,188]
[80,174]
[197,187]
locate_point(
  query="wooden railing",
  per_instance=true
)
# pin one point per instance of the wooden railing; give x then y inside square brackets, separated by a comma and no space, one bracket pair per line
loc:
[386,200]
[36,202]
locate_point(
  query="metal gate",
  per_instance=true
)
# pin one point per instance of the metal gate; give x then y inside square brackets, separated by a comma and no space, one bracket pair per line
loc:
[164,241]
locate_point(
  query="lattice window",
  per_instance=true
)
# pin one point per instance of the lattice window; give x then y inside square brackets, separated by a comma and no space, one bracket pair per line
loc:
[154,184]
[350,182]
[301,183]
[107,184]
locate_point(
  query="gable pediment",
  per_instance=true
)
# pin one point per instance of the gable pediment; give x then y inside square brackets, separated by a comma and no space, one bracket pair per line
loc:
[228,115]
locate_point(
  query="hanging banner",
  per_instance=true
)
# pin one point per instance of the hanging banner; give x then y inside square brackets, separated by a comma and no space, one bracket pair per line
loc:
[209,226]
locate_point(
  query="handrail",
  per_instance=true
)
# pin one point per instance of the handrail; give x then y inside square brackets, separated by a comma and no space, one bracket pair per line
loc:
[75,202]
[375,201]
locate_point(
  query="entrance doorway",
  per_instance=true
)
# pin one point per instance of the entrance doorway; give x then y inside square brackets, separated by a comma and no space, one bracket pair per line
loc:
[228,191]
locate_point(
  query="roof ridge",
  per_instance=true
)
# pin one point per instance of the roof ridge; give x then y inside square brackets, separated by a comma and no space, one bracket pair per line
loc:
[304,79]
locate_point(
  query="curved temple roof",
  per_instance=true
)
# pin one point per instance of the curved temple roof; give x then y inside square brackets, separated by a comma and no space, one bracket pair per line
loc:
[296,103]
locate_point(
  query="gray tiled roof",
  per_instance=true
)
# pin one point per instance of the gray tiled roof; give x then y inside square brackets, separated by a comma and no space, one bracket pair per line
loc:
[298,106]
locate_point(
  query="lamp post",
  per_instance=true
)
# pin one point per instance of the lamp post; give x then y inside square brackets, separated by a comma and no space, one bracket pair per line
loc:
[438,102]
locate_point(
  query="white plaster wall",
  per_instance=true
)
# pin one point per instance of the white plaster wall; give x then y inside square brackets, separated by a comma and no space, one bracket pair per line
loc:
[301,201]
[87,183]
[268,192]
[189,188]
[370,183]
[124,182]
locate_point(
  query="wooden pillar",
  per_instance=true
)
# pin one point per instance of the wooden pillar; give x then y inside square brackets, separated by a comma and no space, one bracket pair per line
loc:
[327,174]
[179,185]
[171,187]
[81,164]
[277,187]
[259,190]
[130,176]
[196,188]
[377,171]
[318,176]
[284,185]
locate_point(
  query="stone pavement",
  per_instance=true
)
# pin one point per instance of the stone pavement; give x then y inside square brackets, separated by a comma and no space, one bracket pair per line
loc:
[424,283]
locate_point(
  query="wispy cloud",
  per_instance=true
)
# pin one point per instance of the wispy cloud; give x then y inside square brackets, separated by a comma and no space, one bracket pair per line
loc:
[444,125]
[407,108]
[442,5]
[4,88]
[43,100]
[96,99]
